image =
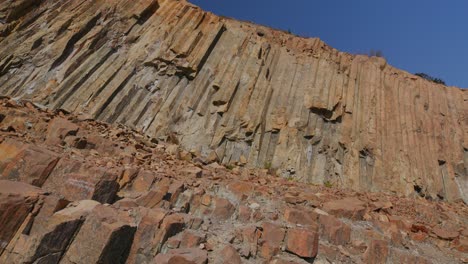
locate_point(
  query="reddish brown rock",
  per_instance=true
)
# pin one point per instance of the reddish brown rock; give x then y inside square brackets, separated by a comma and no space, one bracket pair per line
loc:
[78,180]
[172,225]
[302,242]
[419,228]
[59,129]
[49,234]
[377,252]
[26,163]
[461,244]
[272,237]
[240,189]
[244,213]
[112,234]
[334,230]
[191,239]
[228,255]
[144,246]
[351,208]
[444,233]
[250,237]
[223,209]
[17,200]
[301,216]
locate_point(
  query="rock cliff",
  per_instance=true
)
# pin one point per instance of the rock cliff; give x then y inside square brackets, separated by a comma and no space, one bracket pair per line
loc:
[242,93]
[82,191]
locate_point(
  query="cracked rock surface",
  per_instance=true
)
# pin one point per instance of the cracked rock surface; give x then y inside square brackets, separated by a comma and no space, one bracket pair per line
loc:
[238,93]
[89,192]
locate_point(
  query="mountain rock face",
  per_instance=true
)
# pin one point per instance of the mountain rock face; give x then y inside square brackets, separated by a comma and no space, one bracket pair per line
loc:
[83,191]
[240,93]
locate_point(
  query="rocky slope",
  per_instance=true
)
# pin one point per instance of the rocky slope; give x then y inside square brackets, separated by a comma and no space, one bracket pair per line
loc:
[80,191]
[242,92]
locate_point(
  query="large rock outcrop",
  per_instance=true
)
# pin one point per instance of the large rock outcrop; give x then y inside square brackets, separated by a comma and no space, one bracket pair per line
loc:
[246,93]
[111,195]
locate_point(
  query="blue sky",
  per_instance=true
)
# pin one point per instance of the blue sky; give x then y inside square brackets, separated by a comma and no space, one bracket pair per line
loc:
[429,36]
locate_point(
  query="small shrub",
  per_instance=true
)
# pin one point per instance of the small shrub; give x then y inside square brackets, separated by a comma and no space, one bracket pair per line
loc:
[328,184]
[430,78]
[229,166]
[267,165]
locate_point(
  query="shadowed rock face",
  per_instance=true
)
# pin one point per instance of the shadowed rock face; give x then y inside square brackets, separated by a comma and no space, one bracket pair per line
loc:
[245,92]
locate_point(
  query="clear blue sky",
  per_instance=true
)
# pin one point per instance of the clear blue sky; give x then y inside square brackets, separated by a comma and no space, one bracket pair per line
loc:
[429,36]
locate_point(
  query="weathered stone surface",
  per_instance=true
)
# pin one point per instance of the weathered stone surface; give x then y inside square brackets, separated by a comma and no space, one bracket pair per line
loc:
[59,129]
[444,233]
[144,246]
[377,252]
[242,214]
[50,233]
[239,92]
[302,242]
[217,90]
[301,216]
[351,208]
[77,180]
[228,255]
[334,230]
[272,236]
[26,163]
[16,202]
[223,209]
[105,237]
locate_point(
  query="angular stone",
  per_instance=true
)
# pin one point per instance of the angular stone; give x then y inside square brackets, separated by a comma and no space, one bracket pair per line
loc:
[112,236]
[223,209]
[377,252]
[46,239]
[301,216]
[228,255]
[26,163]
[191,239]
[59,129]
[78,180]
[351,208]
[145,245]
[302,242]
[333,230]
[240,189]
[444,233]
[272,236]
[17,200]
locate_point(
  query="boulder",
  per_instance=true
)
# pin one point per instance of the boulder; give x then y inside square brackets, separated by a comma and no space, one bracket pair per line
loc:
[59,129]
[17,200]
[302,242]
[351,208]
[377,252]
[334,230]
[181,256]
[112,234]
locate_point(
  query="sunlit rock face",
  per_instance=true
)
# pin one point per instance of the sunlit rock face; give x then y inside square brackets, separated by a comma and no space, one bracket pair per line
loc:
[247,93]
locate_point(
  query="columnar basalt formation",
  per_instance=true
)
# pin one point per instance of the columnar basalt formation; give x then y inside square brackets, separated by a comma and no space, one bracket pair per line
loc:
[82,191]
[243,93]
